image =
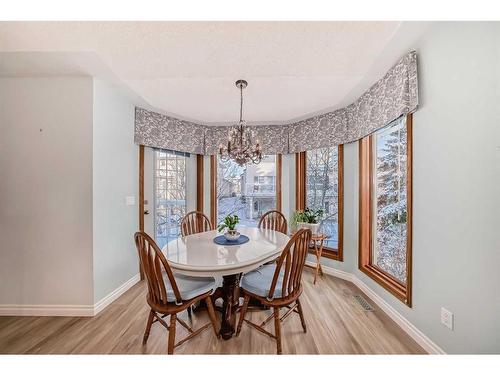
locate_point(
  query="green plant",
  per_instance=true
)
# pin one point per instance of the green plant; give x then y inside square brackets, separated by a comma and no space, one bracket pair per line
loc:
[229,222]
[307,216]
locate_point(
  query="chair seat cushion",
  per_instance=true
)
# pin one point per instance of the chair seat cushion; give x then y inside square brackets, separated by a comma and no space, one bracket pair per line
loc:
[258,282]
[189,286]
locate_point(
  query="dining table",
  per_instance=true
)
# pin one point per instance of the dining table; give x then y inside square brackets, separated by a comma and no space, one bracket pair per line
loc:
[198,255]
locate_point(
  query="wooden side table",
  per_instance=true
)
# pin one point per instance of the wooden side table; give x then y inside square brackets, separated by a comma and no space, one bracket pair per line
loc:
[317,241]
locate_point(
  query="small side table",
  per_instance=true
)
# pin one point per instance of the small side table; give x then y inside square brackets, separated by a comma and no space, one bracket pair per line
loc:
[317,241]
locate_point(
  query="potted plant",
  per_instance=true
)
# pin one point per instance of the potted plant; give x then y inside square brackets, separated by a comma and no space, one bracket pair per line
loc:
[229,223]
[307,219]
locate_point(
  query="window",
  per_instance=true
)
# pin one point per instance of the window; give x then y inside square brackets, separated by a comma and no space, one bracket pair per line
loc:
[170,194]
[322,190]
[320,186]
[385,207]
[248,191]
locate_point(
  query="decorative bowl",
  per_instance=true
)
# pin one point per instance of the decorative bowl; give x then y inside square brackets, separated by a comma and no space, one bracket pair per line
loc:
[232,235]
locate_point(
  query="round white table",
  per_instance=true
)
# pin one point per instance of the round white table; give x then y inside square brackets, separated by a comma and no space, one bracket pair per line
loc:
[199,255]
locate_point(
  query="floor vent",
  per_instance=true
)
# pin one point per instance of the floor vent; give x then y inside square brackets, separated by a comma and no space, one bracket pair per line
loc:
[364,304]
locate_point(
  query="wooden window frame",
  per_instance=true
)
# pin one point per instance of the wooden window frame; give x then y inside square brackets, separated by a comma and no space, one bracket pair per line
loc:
[365,242]
[213,186]
[300,198]
[200,171]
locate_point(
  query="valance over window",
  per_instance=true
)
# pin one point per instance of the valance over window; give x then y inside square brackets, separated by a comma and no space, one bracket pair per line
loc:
[395,95]
[160,131]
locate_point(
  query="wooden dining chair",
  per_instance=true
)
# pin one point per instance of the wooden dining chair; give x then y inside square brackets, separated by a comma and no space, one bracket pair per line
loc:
[169,294]
[274,220]
[278,285]
[195,222]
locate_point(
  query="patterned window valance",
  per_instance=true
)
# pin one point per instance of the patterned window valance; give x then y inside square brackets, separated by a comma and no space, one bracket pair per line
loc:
[160,131]
[394,95]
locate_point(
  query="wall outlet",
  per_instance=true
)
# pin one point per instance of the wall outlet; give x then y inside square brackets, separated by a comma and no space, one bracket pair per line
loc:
[130,200]
[447,318]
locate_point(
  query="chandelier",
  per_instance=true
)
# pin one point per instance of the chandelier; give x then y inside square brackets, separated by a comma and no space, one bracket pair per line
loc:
[240,141]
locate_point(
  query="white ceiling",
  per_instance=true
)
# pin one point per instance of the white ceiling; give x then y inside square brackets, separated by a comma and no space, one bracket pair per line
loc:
[188,69]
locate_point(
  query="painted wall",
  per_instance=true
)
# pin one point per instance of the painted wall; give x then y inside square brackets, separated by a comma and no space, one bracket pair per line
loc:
[456,179]
[288,185]
[46,190]
[115,174]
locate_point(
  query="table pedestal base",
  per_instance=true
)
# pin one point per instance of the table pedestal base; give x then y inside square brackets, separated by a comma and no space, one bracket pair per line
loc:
[231,296]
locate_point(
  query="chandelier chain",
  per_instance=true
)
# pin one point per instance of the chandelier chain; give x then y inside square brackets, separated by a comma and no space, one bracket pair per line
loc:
[241,103]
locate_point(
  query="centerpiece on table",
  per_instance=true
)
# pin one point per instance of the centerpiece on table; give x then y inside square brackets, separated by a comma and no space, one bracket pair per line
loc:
[307,219]
[229,224]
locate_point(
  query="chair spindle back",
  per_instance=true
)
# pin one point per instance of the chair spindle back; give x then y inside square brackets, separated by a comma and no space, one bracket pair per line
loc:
[292,259]
[274,220]
[195,222]
[153,263]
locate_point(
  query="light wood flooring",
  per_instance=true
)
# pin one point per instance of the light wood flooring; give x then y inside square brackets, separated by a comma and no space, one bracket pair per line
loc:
[336,324]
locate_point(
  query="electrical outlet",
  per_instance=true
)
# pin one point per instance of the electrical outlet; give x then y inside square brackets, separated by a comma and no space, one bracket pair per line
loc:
[447,318]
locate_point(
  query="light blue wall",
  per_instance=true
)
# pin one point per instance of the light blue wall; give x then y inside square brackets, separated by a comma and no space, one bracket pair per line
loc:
[46,189]
[115,171]
[456,187]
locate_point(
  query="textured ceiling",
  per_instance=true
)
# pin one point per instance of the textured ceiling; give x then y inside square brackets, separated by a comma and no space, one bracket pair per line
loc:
[189,68]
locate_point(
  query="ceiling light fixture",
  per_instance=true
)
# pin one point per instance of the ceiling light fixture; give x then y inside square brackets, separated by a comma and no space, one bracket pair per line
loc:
[240,143]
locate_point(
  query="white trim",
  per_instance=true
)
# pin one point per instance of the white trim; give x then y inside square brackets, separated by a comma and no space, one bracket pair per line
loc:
[68,310]
[46,310]
[426,343]
[107,300]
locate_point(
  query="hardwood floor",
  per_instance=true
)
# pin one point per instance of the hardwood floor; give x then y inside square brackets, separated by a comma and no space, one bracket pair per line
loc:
[336,324]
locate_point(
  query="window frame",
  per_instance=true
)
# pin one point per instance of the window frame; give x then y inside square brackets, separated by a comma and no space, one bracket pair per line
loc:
[155,183]
[402,291]
[213,186]
[300,198]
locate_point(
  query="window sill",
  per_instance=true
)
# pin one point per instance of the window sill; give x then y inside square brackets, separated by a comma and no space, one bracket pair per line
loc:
[329,253]
[388,283]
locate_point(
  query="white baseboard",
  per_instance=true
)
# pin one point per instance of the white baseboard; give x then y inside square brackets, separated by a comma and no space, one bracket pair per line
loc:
[425,342]
[46,310]
[106,301]
[68,310]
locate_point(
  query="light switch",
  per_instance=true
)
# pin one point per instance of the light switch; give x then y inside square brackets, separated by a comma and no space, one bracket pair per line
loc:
[130,200]
[447,318]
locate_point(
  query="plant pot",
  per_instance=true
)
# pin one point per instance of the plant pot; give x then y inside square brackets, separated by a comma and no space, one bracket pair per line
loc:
[313,227]
[232,235]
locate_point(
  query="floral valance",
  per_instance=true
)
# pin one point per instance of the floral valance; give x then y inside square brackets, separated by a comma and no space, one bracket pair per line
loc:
[394,95]
[156,130]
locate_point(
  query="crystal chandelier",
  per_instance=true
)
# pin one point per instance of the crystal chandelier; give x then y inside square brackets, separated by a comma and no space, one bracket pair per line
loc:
[240,142]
